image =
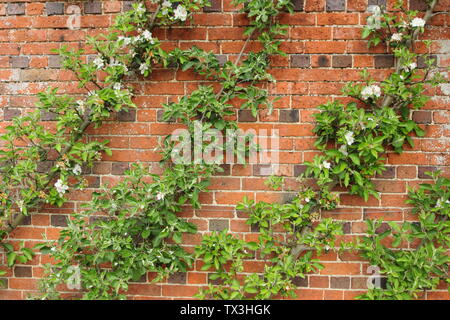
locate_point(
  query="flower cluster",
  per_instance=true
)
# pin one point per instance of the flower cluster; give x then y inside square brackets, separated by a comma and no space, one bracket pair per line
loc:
[371,92]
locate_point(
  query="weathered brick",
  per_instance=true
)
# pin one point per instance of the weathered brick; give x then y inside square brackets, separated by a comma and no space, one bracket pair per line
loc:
[20,62]
[340,282]
[377,3]
[298,5]
[54,61]
[222,58]
[389,173]
[93,7]
[118,168]
[384,61]
[10,113]
[178,277]
[216,6]
[423,169]
[300,282]
[15,8]
[246,116]
[419,5]
[23,272]
[322,61]
[26,220]
[342,61]
[54,8]
[126,116]
[421,61]
[58,220]
[299,169]
[422,116]
[289,115]
[218,225]
[127,5]
[335,5]
[300,61]
[48,116]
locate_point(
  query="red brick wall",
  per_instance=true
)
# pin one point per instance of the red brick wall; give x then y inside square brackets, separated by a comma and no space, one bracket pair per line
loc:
[325,52]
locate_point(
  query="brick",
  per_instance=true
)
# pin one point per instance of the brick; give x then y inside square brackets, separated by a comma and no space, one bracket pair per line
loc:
[54,8]
[10,113]
[300,61]
[23,272]
[357,5]
[54,61]
[423,169]
[321,61]
[93,7]
[219,225]
[407,172]
[422,116]
[15,8]
[299,169]
[335,5]
[421,61]
[246,116]
[58,220]
[384,61]
[126,116]
[289,115]
[119,168]
[222,58]
[300,282]
[340,282]
[389,173]
[48,116]
[216,6]
[377,3]
[298,5]
[127,5]
[178,277]
[418,5]
[111,6]
[342,61]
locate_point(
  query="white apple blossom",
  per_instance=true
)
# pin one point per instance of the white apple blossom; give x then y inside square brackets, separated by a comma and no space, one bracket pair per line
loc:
[397,37]
[165,7]
[117,86]
[77,170]
[326,165]
[307,199]
[343,149]
[411,67]
[126,40]
[349,138]
[99,63]
[370,92]
[160,196]
[181,13]
[80,106]
[143,68]
[140,9]
[61,187]
[418,23]
[147,35]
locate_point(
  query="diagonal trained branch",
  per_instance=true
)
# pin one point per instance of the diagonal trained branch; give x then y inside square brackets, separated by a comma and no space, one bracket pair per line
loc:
[389,99]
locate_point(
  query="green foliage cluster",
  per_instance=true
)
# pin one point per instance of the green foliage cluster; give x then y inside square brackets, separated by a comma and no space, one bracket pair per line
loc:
[353,138]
